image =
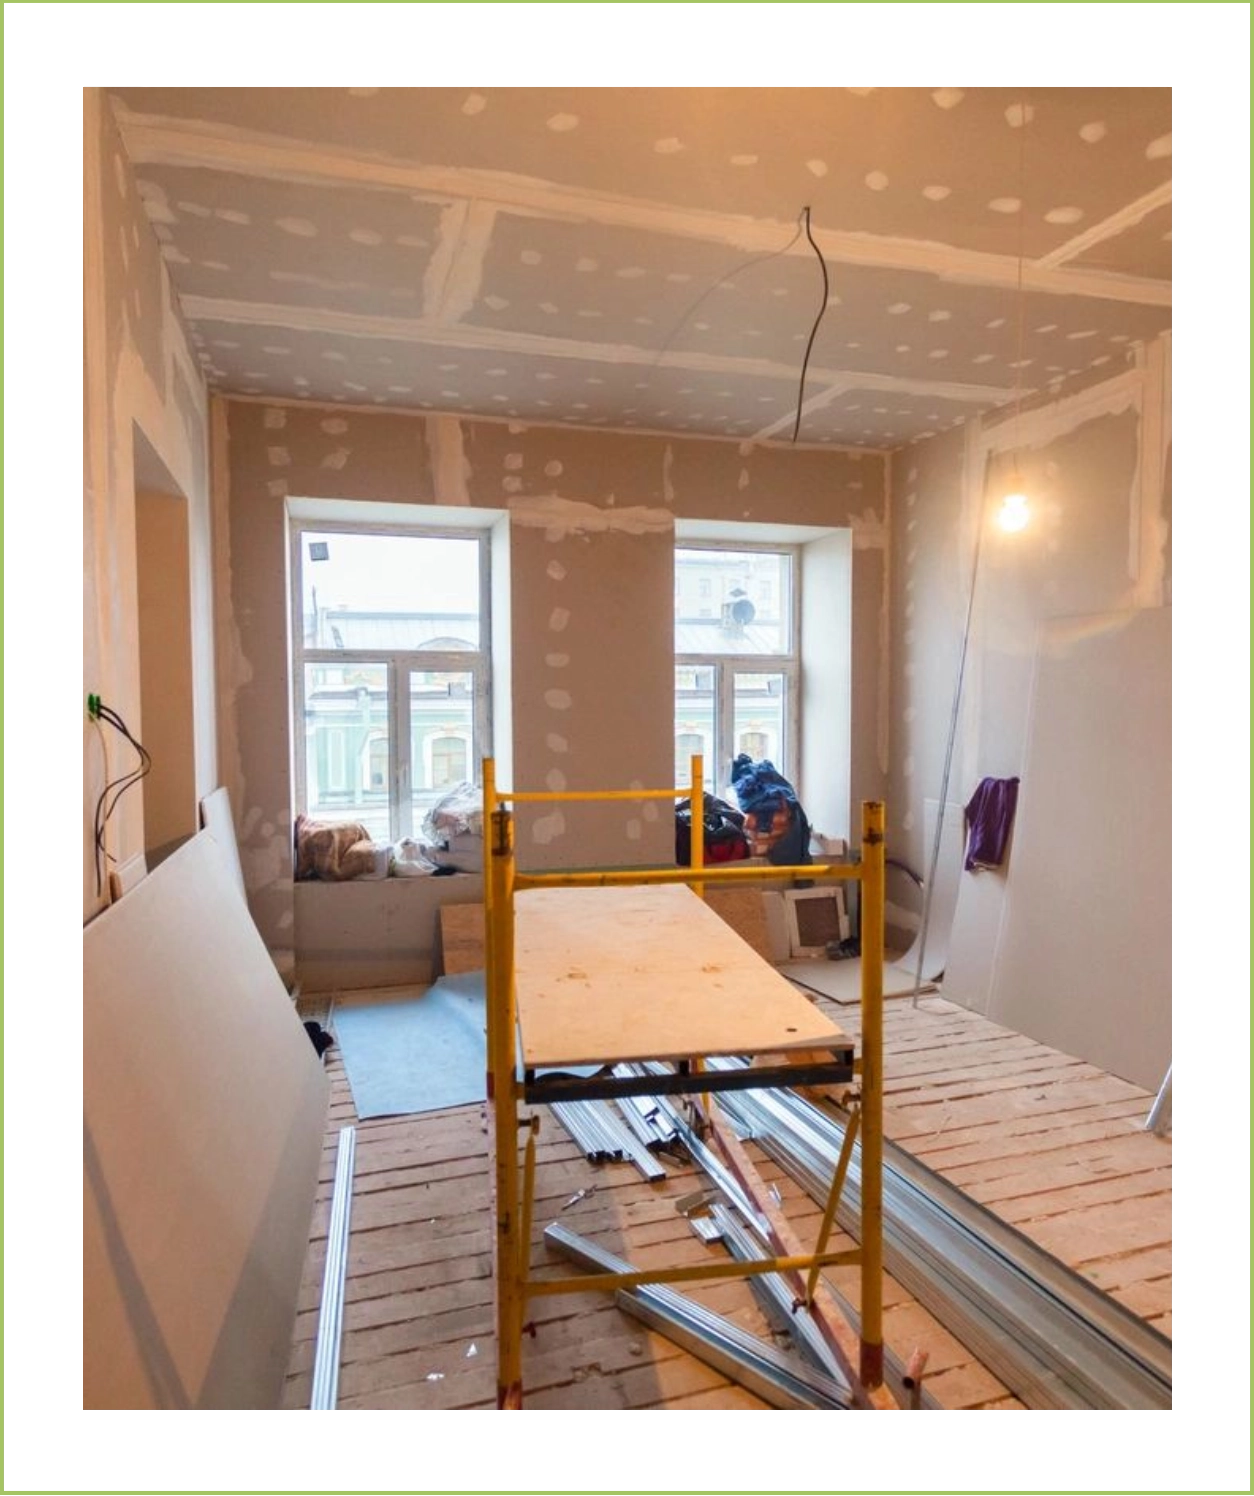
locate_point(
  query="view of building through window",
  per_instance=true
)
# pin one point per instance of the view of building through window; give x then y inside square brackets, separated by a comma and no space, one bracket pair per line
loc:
[392,676]
[735,660]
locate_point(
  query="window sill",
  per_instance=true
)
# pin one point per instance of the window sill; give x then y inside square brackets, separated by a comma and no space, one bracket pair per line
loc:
[374,932]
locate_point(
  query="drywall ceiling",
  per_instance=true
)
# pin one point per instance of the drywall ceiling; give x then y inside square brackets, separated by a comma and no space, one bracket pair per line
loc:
[633,258]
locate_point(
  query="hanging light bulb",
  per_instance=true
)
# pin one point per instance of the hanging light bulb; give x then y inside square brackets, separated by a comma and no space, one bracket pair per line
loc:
[1013,514]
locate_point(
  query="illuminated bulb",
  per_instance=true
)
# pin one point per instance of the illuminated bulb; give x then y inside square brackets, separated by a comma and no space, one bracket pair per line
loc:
[1013,514]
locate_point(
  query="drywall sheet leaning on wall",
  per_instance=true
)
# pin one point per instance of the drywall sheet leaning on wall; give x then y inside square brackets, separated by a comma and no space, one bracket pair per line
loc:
[218,821]
[1085,957]
[976,934]
[940,913]
[204,1105]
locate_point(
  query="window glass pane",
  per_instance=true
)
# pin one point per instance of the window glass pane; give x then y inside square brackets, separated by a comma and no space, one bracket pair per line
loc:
[442,730]
[758,717]
[733,602]
[346,745]
[388,592]
[694,722]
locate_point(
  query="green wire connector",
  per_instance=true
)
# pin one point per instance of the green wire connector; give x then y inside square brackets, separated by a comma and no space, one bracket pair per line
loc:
[93,707]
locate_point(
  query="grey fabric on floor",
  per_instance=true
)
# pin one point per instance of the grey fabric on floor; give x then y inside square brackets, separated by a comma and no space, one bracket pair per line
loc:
[842,980]
[416,1052]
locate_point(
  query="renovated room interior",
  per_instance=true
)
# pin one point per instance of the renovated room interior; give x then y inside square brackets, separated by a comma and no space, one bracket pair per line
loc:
[596,335]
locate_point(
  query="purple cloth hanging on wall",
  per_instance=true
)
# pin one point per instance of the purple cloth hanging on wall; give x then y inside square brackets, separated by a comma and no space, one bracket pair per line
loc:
[989,816]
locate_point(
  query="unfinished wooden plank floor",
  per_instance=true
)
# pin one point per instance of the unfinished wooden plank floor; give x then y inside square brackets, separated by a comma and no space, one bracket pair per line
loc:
[1054,1146]
[1047,1142]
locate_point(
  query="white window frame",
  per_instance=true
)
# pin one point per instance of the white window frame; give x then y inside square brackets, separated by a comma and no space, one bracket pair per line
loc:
[726,666]
[397,663]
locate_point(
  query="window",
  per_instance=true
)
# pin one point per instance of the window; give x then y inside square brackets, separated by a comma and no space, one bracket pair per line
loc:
[336,758]
[687,744]
[736,659]
[448,761]
[375,778]
[391,671]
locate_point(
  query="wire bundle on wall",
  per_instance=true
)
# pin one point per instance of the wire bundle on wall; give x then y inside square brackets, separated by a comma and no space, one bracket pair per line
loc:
[115,788]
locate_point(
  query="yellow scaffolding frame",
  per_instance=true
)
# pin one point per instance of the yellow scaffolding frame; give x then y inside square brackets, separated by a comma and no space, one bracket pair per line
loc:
[513,1203]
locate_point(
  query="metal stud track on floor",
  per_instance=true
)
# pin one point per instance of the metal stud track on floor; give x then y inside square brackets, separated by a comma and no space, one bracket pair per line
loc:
[777,1377]
[1052,1338]
[326,1370]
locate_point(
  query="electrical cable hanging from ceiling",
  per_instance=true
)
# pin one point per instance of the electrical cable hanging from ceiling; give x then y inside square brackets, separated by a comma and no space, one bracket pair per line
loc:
[773,254]
[117,787]
[805,362]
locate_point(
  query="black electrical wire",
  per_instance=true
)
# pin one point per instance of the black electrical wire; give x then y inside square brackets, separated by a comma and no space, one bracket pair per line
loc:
[773,254]
[105,810]
[805,362]
[125,780]
[115,787]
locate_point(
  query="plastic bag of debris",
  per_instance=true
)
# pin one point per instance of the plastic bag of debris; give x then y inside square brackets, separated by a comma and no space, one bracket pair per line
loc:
[457,812]
[410,860]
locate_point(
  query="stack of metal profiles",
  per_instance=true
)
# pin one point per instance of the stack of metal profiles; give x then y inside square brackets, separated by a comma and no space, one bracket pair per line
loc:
[746,1235]
[1047,1334]
[776,1376]
[603,1135]
[644,1116]
[778,1303]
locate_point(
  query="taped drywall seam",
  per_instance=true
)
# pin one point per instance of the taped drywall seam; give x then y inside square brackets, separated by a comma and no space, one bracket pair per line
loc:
[173,142]
[468,338]
[817,401]
[883,698]
[450,468]
[1126,217]
[440,265]
[1137,495]
[1148,539]
[560,518]
[455,272]
[1037,428]
[233,669]
[634,433]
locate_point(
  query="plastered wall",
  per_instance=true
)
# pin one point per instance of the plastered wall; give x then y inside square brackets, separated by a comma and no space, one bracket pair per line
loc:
[590,541]
[138,376]
[1094,463]
[592,659]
